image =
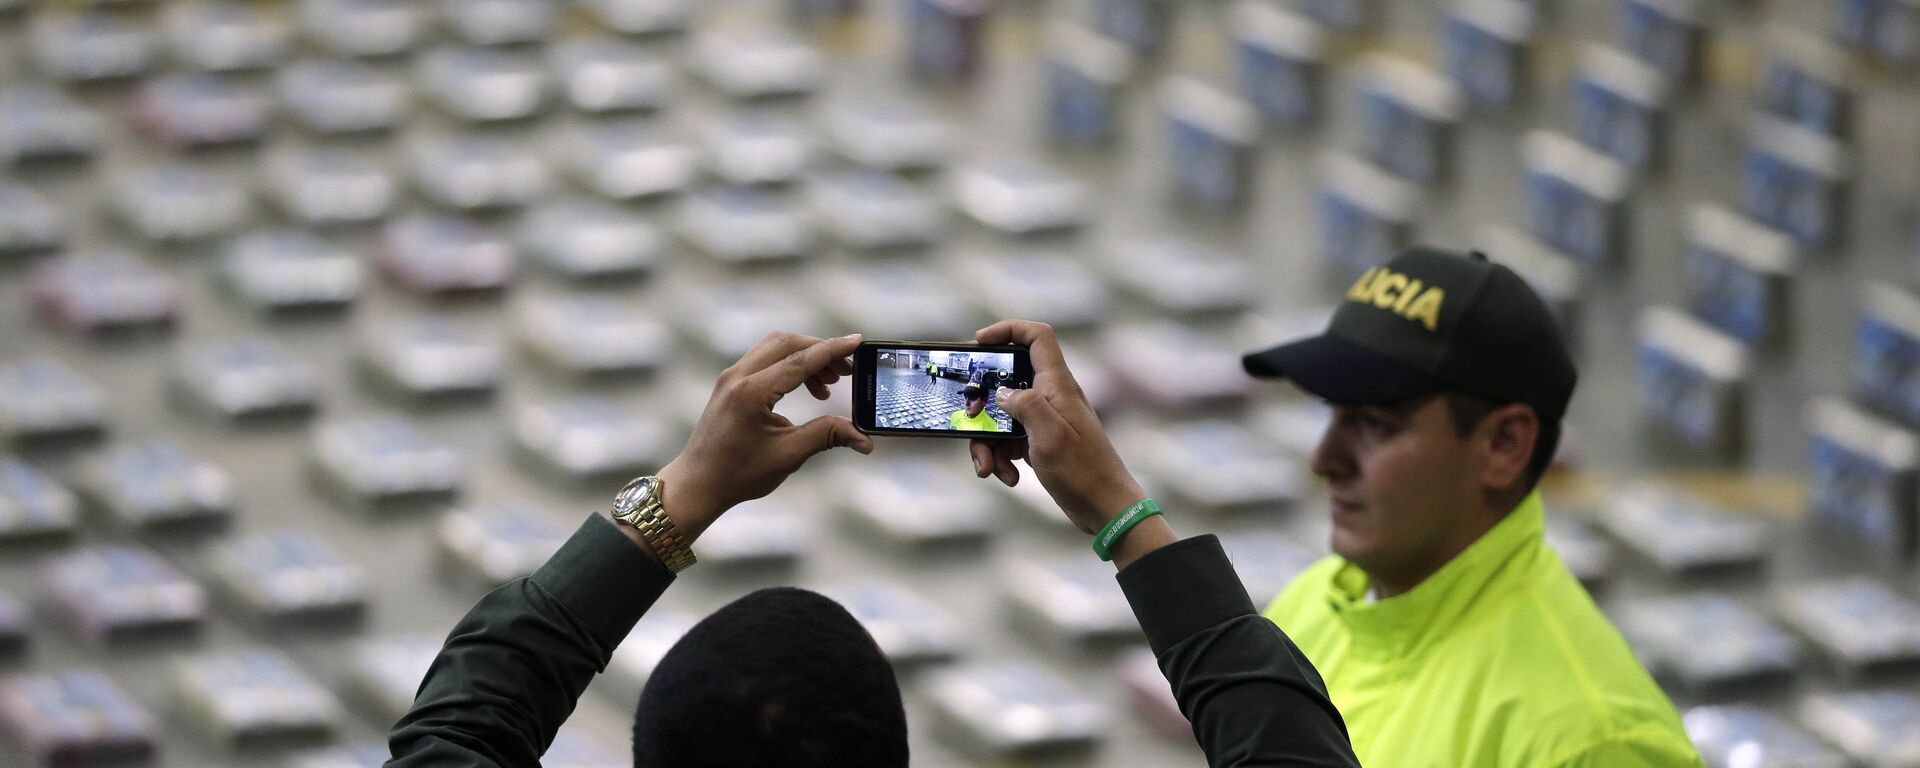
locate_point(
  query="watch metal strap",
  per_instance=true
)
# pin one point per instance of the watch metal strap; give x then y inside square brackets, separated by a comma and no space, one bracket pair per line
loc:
[655,527]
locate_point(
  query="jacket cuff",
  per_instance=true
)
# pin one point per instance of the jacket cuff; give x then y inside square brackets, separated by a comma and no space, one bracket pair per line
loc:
[603,580]
[1183,588]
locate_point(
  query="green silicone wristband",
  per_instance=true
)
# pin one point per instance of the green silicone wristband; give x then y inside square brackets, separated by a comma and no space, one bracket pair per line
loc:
[1120,524]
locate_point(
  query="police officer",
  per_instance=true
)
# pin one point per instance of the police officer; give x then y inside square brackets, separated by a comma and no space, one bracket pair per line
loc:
[973,417]
[1448,633]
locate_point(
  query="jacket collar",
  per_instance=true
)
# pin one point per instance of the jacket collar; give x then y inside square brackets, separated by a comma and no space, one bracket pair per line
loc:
[1400,624]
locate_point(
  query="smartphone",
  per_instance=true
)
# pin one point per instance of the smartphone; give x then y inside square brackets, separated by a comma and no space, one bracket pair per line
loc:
[937,389]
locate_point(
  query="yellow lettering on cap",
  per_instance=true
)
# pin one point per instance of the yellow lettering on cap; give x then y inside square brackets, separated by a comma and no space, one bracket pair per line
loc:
[1386,289]
[1426,309]
[1406,297]
[1362,287]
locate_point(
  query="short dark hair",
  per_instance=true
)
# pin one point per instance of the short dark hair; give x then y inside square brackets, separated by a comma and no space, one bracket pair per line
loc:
[1468,411]
[782,677]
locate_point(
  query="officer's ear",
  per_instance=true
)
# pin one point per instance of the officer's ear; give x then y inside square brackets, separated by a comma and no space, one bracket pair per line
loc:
[1506,437]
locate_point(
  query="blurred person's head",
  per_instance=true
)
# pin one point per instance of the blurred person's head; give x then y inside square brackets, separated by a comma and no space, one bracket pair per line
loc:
[975,397]
[1448,380]
[781,677]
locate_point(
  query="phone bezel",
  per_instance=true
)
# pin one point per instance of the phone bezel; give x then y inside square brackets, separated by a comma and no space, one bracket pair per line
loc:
[866,356]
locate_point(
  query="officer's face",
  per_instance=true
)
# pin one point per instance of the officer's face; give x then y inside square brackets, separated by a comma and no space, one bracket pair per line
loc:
[1400,484]
[975,405]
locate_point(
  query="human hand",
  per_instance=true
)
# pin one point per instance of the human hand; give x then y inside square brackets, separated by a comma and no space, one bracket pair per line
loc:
[740,449]
[1066,446]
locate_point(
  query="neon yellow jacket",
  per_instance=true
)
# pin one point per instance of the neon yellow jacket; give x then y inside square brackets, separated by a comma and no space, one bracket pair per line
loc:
[981,423]
[1500,658]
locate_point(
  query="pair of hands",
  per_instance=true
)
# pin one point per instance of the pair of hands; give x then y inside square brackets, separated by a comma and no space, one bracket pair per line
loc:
[741,450]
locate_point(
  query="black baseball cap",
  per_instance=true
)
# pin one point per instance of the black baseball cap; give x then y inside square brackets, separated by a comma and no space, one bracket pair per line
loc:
[1429,321]
[971,390]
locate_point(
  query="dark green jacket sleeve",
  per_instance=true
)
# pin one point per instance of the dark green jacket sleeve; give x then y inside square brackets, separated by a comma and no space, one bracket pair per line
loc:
[1251,695]
[514,666]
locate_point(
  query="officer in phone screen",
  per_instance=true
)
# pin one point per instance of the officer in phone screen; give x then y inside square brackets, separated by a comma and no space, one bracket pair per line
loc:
[973,417]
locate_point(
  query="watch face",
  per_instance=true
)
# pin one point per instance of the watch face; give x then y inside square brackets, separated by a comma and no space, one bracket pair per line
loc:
[632,498]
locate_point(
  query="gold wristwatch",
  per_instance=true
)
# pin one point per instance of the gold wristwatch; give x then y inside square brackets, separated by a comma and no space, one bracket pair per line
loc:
[639,505]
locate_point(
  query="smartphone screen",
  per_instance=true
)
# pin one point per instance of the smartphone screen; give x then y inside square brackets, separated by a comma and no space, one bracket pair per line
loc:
[933,389]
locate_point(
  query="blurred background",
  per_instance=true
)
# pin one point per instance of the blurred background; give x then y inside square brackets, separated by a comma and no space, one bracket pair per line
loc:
[320,318]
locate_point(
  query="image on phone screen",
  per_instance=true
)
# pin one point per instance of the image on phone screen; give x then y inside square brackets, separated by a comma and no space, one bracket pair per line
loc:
[928,389]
